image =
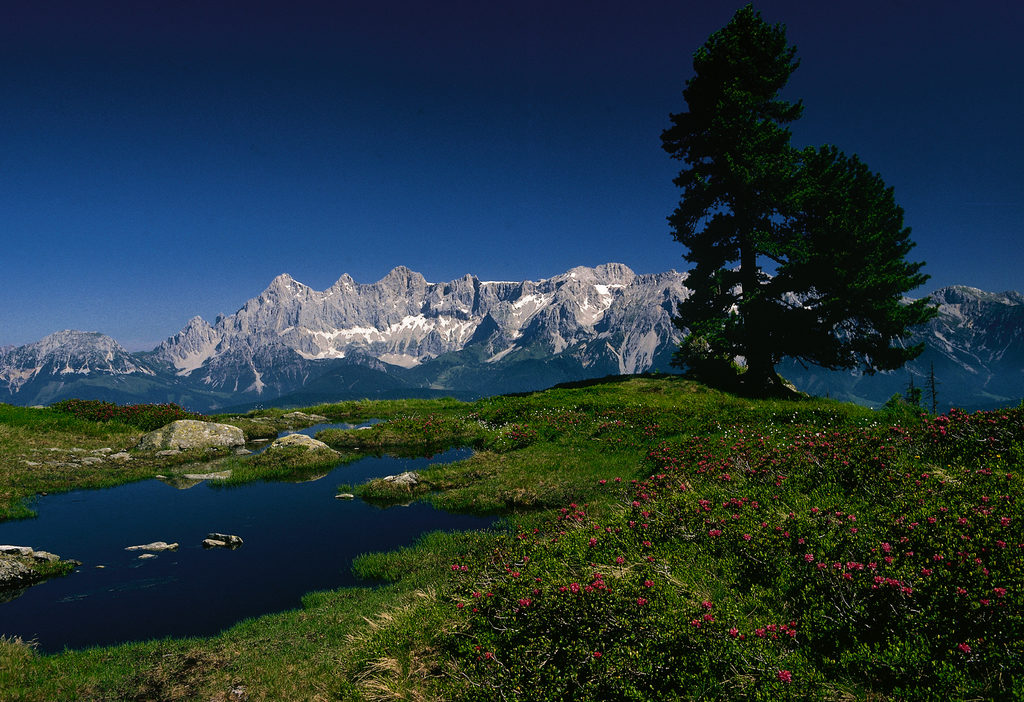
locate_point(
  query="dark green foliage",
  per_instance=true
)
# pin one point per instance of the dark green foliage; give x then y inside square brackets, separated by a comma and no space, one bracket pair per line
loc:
[145,417]
[845,263]
[913,393]
[825,226]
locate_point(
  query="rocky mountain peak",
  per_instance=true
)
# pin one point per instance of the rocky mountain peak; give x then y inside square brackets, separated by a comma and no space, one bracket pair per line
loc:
[401,278]
[68,353]
[403,333]
[71,341]
[345,282]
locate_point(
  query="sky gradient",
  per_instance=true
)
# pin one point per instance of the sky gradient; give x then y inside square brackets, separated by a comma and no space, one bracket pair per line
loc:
[166,160]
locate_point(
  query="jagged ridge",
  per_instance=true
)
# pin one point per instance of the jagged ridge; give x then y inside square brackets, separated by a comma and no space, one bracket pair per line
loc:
[405,336]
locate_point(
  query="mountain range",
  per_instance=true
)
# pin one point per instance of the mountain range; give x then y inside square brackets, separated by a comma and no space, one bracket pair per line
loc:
[405,337]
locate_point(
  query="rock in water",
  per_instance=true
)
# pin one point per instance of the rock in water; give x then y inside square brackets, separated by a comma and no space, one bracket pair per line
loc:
[18,569]
[217,540]
[154,546]
[190,434]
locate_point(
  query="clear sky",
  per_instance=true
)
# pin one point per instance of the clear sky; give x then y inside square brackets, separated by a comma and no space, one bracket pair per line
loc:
[160,160]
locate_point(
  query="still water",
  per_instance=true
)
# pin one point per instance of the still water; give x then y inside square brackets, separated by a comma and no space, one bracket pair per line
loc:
[297,538]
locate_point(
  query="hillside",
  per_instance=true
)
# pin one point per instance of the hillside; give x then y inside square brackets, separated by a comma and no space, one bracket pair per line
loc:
[660,538]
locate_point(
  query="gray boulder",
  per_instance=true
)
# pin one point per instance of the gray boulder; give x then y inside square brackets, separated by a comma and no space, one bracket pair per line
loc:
[15,573]
[18,569]
[301,441]
[191,434]
[406,479]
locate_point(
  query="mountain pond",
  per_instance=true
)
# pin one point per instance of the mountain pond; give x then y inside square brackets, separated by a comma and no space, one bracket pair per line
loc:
[297,538]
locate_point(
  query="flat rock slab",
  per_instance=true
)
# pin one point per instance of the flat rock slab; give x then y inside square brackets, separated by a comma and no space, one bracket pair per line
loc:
[154,546]
[219,475]
[217,540]
[191,434]
[303,417]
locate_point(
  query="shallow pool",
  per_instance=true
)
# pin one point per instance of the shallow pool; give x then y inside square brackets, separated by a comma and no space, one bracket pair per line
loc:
[297,538]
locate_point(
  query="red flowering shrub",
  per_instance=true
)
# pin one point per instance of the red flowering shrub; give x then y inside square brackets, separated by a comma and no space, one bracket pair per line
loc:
[145,417]
[765,561]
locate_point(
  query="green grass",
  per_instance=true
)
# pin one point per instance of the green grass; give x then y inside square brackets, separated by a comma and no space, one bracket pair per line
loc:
[37,450]
[659,540]
[291,464]
[41,451]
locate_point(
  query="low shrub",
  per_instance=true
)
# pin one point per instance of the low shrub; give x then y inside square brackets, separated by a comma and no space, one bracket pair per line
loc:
[145,417]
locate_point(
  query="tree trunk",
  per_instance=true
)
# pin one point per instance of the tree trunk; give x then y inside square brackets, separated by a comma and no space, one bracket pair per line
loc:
[760,378]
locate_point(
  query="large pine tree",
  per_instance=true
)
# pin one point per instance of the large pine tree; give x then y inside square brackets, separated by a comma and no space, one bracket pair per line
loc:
[797,254]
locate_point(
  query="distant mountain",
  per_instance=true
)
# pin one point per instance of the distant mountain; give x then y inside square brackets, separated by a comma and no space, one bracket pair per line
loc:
[974,346]
[399,336]
[403,337]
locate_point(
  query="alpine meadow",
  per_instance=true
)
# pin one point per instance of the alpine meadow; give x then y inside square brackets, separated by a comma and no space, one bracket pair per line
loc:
[720,533]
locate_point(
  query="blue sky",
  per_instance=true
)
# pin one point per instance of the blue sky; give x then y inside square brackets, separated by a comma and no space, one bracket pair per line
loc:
[163,160]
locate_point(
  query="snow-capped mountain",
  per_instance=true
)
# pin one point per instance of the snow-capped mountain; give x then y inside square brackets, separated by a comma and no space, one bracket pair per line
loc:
[403,320]
[404,336]
[61,358]
[464,337]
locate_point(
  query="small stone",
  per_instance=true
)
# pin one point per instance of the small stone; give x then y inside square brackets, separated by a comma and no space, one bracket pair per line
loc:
[45,556]
[147,555]
[344,496]
[242,452]
[8,550]
[168,452]
[120,456]
[90,460]
[102,451]
[32,463]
